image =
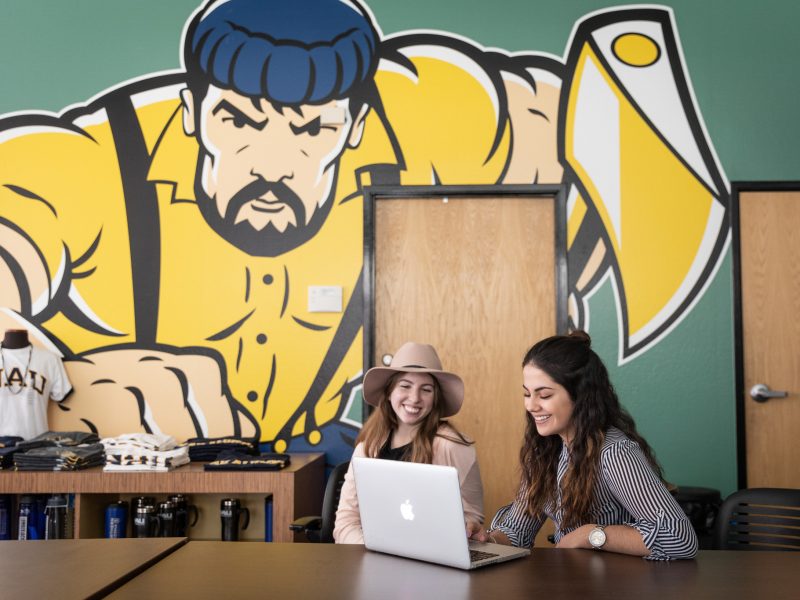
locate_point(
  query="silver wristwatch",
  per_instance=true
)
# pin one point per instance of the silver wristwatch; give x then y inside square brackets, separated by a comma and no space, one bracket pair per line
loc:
[597,537]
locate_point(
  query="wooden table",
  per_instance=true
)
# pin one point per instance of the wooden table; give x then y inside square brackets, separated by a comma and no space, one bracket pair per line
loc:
[73,569]
[296,490]
[251,570]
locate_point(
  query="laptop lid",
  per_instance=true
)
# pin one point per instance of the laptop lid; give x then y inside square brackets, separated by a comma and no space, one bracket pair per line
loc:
[414,510]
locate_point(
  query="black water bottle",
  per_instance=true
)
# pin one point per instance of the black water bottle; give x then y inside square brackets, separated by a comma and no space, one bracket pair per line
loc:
[138,502]
[146,522]
[182,511]
[55,527]
[230,511]
[166,519]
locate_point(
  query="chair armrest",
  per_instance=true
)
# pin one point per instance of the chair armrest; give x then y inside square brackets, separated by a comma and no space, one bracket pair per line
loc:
[306,524]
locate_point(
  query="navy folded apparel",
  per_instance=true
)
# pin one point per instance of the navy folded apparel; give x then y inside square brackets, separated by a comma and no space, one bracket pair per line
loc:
[58,439]
[201,449]
[232,460]
[60,458]
[7,457]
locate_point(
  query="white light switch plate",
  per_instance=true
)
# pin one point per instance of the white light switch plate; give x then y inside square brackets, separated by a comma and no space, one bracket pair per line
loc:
[324,298]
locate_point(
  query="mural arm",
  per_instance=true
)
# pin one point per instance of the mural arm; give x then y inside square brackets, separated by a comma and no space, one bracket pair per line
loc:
[65,276]
[34,258]
[24,275]
[532,85]
[175,391]
[445,101]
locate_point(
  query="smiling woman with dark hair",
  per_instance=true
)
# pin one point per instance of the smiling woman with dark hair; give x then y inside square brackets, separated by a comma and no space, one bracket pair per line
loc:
[585,466]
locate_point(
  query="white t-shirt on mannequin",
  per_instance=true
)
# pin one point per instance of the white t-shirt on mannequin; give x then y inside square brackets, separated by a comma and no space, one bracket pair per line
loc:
[29,377]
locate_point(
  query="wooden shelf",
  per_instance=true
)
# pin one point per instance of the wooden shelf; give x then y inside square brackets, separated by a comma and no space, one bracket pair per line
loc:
[296,490]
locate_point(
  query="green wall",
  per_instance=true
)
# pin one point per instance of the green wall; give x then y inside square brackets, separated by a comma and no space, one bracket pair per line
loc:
[740,58]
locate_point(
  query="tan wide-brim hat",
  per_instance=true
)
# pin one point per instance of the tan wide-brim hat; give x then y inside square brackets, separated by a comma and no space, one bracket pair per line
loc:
[416,358]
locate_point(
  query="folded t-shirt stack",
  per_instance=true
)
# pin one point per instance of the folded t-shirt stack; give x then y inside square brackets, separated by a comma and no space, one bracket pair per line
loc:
[59,451]
[202,449]
[144,452]
[8,446]
[232,460]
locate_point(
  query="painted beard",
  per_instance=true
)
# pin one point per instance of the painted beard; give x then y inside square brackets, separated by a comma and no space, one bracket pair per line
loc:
[267,241]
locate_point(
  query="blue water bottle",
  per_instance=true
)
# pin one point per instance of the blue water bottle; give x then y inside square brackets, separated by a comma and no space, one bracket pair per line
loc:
[5,518]
[117,519]
[40,522]
[268,518]
[26,523]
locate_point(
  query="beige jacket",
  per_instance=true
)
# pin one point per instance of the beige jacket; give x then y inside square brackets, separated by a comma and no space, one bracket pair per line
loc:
[445,452]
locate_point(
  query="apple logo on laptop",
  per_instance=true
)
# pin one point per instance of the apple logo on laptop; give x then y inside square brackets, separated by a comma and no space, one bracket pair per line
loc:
[407,510]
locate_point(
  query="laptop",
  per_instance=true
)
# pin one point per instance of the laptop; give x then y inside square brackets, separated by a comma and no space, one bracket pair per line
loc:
[414,510]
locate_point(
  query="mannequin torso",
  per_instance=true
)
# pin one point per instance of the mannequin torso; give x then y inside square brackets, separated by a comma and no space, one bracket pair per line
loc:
[29,377]
[15,338]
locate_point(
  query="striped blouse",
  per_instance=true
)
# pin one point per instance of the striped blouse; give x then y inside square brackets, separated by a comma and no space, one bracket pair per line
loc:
[628,492]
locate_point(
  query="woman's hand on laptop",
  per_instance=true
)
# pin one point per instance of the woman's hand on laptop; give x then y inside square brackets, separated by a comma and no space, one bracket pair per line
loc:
[477,533]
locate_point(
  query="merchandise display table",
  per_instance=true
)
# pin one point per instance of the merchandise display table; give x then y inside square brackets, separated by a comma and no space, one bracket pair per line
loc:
[296,491]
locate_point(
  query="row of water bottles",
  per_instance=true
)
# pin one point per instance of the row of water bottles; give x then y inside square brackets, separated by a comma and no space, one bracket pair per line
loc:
[37,517]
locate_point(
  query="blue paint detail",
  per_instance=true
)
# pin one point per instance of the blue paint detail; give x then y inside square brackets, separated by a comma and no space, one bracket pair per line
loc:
[316,51]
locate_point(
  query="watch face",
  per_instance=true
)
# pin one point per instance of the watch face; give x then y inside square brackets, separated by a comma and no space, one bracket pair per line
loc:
[597,537]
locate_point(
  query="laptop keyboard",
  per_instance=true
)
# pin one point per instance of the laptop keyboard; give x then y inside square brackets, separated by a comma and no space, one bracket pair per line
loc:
[476,555]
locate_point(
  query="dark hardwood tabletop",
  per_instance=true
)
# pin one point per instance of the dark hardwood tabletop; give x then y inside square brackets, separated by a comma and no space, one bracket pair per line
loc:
[252,569]
[73,569]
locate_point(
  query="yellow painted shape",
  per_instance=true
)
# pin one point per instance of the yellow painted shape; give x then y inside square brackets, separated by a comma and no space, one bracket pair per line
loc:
[299,427]
[79,177]
[445,120]
[636,49]
[664,208]
[569,133]
[575,220]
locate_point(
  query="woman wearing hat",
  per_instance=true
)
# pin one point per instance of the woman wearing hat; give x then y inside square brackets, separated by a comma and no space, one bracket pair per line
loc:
[412,398]
[585,466]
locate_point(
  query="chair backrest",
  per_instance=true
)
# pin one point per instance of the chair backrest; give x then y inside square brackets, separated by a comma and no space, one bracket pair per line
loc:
[330,501]
[759,519]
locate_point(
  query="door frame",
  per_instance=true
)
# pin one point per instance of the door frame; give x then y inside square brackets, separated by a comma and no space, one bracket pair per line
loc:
[737,188]
[373,194]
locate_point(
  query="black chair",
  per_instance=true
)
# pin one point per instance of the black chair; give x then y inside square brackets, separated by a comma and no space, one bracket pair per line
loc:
[701,505]
[759,519]
[319,528]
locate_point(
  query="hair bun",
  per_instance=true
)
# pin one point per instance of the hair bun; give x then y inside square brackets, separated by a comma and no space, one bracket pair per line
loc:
[581,335]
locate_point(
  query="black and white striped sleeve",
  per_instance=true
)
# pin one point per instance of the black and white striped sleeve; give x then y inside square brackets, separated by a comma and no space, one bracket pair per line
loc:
[514,521]
[665,528]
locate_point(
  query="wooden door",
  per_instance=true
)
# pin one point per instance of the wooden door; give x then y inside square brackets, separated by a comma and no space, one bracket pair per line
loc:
[770,324]
[475,277]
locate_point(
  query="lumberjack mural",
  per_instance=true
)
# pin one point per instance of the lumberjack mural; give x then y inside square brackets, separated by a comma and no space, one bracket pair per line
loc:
[164,235]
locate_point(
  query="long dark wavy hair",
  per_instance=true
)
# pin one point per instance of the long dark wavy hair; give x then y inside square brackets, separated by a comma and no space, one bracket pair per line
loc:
[383,421]
[570,361]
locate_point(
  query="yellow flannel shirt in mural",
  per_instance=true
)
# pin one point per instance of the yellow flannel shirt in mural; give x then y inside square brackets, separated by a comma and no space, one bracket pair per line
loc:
[441,124]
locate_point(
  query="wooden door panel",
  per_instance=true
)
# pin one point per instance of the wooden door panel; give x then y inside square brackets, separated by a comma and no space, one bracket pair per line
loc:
[770,283]
[475,277]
